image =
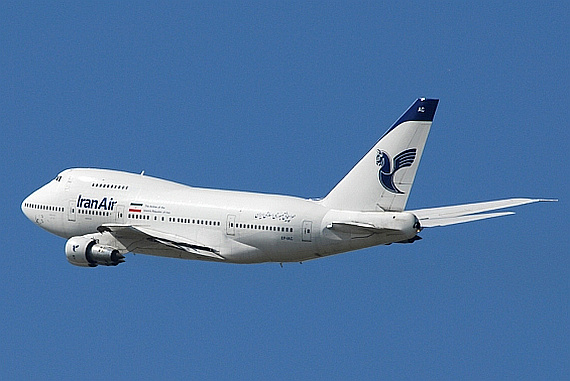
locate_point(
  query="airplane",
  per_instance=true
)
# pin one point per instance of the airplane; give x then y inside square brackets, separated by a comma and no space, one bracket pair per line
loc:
[105,214]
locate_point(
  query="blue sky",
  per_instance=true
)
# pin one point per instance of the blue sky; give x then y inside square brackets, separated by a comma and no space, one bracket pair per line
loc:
[286,98]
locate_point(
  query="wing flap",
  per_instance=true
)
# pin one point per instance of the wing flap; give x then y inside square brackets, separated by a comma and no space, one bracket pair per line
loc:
[138,233]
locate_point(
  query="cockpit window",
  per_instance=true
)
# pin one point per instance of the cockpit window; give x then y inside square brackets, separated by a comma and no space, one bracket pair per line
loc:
[58,179]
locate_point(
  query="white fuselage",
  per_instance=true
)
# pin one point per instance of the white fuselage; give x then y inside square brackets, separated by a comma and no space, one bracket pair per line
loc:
[106,214]
[243,227]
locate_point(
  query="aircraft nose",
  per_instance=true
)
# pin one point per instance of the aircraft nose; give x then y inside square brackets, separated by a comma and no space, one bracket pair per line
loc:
[44,209]
[27,207]
[34,204]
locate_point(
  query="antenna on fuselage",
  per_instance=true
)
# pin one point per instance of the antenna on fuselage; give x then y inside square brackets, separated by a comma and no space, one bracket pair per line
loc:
[142,173]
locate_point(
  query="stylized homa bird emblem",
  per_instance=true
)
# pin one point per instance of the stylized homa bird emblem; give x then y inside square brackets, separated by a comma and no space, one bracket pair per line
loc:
[387,170]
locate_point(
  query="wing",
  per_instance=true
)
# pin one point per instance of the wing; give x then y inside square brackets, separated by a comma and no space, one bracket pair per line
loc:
[404,159]
[457,214]
[150,241]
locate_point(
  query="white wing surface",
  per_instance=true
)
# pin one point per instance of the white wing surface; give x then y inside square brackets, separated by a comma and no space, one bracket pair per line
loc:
[457,214]
[141,238]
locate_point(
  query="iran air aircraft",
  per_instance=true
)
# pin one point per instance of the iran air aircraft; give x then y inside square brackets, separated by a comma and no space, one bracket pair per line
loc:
[105,214]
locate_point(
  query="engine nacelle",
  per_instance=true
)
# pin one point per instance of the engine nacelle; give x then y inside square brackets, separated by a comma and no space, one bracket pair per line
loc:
[86,252]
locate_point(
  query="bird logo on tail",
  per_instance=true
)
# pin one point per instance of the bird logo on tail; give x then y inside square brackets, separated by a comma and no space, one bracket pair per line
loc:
[388,168]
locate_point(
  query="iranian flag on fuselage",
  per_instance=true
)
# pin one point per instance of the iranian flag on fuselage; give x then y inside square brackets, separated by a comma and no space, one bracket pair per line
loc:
[135,207]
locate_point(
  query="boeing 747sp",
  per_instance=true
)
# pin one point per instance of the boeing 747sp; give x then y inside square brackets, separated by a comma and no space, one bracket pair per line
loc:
[105,214]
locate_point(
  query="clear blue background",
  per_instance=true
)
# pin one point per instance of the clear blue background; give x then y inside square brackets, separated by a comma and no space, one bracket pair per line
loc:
[286,98]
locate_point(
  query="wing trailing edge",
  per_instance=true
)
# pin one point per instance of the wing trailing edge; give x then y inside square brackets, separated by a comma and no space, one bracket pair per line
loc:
[458,214]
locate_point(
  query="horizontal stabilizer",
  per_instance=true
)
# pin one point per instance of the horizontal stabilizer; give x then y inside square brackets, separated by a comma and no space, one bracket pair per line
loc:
[357,228]
[457,214]
[432,223]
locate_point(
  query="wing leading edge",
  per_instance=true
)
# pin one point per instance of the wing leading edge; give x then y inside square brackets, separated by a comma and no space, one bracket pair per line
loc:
[457,214]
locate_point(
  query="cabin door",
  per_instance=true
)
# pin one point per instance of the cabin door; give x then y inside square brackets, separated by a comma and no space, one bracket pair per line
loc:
[71,211]
[231,225]
[306,232]
[120,214]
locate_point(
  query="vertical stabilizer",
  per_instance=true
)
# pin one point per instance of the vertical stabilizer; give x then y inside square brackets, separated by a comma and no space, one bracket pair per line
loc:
[383,178]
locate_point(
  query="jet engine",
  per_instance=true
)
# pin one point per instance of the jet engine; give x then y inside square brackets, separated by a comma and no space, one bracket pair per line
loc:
[86,252]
